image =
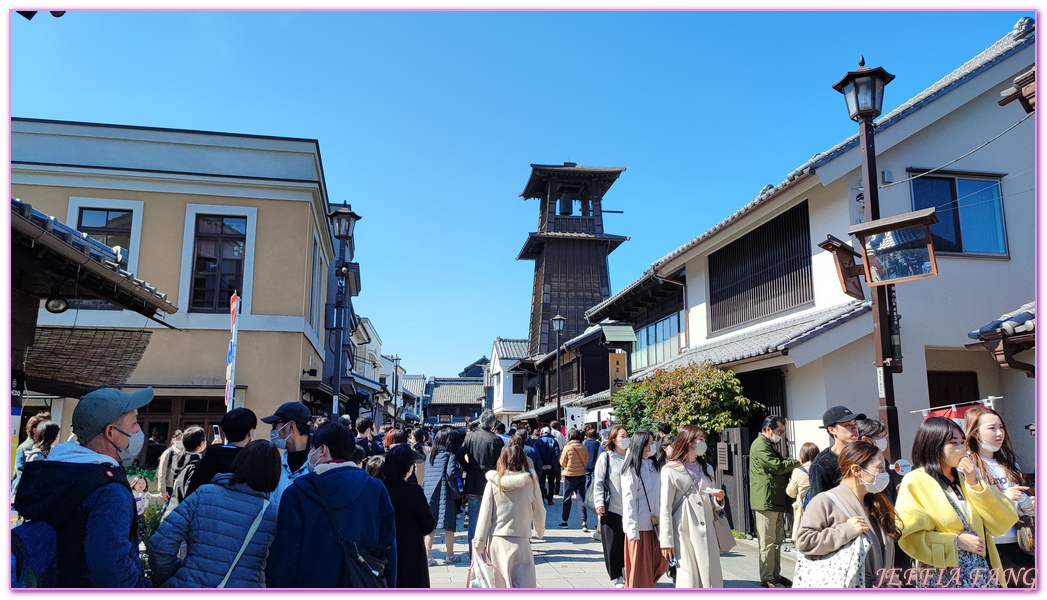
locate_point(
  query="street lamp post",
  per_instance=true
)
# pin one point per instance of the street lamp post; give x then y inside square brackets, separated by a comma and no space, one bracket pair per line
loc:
[558,323]
[344,222]
[863,92]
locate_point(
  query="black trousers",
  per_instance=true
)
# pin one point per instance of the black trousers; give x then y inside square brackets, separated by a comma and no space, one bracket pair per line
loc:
[613,537]
[549,482]
[572,486]
[1018,567]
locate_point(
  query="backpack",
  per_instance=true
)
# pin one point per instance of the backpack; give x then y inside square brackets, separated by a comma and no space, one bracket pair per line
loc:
[34,556]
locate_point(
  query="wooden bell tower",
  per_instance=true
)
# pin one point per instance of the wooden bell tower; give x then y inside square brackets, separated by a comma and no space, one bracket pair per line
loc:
[569,249]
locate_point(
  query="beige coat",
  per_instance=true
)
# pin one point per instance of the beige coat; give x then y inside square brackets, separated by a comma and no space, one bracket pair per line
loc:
[686,525]
[824,529]
[799,483]
[573,459]
[511,506]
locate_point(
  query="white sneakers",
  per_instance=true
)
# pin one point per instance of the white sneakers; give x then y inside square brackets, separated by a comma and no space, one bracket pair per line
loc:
[619,583]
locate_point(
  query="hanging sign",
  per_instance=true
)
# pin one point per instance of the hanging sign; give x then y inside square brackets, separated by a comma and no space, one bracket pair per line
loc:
[616,371]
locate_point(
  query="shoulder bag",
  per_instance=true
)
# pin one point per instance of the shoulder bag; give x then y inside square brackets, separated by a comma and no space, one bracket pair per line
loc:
[843,568]
[590,497]
[359,569]
[247,540]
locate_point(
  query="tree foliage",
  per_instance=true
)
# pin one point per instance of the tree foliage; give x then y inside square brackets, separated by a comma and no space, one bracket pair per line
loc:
[697,394]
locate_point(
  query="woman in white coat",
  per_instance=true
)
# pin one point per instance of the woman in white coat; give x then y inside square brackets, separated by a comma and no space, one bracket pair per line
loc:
[512,505]
[644,562]
[685,525]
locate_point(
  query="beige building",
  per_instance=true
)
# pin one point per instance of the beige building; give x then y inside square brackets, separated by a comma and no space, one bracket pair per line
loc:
[199,214]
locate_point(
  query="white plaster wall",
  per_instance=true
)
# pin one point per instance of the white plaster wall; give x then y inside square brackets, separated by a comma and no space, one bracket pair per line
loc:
[504,399]
[1018,409]
[805,402]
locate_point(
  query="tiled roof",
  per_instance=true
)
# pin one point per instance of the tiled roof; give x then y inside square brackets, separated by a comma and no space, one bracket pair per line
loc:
[466,390]
[414,384]
[534,189]
[510,349]
[647,275]
[1016,322]
[776,337]
[529,251]
[1022,36]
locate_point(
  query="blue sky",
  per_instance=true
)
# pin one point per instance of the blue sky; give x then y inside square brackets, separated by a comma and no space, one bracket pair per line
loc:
[428,122]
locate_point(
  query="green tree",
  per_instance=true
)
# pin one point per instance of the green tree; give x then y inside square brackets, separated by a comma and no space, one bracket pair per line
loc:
[698,394]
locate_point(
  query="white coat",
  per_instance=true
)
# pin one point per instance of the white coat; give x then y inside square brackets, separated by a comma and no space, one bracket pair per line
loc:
[636,515]
[686,526]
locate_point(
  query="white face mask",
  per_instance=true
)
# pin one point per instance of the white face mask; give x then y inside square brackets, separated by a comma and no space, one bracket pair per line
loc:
[775,438]
[134,446]
[881,444]
[700,447]
[623,443]
[309,459]
[274,437]
[879,482]
[178,444]
[989,447]
[652,449]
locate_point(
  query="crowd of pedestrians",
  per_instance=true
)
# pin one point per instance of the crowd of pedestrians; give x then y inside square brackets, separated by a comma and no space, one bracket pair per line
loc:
[347,504]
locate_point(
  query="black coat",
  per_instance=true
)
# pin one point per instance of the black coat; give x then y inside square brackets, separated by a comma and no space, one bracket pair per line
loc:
[414,521]
[216,459]
[824,472]
[481,450]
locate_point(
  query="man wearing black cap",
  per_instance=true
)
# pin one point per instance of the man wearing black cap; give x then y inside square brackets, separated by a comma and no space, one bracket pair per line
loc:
[839,421]
[81,491]
[291,433]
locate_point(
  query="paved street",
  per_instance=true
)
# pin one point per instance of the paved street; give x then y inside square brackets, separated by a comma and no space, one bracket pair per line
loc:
[568,558]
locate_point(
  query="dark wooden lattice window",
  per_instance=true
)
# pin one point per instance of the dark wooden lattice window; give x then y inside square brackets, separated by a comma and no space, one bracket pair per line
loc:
[766,271]
[112,228]
[218,262]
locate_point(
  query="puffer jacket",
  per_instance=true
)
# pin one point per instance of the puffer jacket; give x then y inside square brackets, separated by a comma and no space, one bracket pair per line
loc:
[573,459]
[213,522]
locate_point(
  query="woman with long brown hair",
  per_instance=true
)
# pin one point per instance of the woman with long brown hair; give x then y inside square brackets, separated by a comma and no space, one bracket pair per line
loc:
[990,449]
[856,507]
[609,502]
[685,524]
[949,515]
[512,504]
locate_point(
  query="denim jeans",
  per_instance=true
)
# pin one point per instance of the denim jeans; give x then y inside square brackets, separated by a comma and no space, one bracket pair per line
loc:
[474,514]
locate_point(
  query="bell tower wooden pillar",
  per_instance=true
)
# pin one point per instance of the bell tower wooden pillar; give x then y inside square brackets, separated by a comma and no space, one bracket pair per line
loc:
[569,249]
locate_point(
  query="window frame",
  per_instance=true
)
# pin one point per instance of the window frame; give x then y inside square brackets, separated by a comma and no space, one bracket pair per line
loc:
[204,319]
[219,306]
[78,203]
[996,178]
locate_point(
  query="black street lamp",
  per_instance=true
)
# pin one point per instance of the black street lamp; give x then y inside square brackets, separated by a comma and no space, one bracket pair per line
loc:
[558,323]
[863,91]
[343,221]
[396,385]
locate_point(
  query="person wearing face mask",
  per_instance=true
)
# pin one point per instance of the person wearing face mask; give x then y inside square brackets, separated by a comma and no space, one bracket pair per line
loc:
[994,459]
[950,516]
[644,562]
[609,504]
[874,431]
[290,432]
[169,461]
[856,507]
[769,473]
[237,427]
[81,491]
[306,552]
[573,459]
[195,441]
[686,512]
[839,423]
[414,521]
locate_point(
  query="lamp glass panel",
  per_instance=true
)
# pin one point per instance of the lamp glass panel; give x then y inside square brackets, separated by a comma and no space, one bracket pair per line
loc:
[898,254]
[848,96]
[866,93]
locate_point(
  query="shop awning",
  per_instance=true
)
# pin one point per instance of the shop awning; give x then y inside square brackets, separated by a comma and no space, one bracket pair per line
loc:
[618,333]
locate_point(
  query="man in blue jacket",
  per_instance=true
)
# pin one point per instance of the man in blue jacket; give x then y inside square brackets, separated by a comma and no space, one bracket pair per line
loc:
[365,437]
[81,491]
[305,552]
[549,450]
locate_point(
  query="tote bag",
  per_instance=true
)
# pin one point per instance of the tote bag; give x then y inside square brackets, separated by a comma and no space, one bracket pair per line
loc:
[844,568]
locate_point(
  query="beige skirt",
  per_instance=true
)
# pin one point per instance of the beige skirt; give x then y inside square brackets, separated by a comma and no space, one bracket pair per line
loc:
[513,562]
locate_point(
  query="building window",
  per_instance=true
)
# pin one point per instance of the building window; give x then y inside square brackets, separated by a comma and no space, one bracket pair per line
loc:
[656,343]
[518,383]
[112,228]
[218,262]
[314,289]
[765,272]
[970,213]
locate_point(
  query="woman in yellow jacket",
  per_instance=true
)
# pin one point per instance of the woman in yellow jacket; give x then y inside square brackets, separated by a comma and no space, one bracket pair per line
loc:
[949,515]
[573,459]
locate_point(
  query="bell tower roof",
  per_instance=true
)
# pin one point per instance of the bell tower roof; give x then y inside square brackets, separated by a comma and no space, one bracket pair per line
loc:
[540,175]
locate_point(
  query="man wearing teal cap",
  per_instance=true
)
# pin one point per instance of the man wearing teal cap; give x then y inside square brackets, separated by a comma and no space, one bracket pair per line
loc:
[81,491]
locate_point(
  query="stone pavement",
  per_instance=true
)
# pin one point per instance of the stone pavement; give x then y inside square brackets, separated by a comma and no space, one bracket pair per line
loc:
[568,558]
